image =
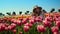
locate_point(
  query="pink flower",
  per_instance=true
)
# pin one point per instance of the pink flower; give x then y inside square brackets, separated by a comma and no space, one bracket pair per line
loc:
[55,32]
[49,19]
[55,29]
[8,19]
[31,21]
[13,21]
[6,24]
[14,31]
[0,29]
[41,28]
[20,32]
[24,21]
[6,28]
[27,18]
[57,19]
[28,24]
[38,19]
[19,22]
[5,18]
[33,16]
[47,23]
[20,18]
[12,26]
[26,28]
[56,15]
[3,27]
[58,23]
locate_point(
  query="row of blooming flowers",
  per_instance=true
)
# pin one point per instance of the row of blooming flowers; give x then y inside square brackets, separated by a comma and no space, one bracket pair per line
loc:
[31,25]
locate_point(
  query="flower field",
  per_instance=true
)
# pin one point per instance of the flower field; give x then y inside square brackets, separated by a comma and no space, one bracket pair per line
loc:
[27,24]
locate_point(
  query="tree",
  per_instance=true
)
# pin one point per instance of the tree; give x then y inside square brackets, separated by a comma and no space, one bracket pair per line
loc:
[58,10]
[8,13]
[52,10]
[3,14]
[27,12]
[20,12]
[44,11]
[0,14]
[13,13]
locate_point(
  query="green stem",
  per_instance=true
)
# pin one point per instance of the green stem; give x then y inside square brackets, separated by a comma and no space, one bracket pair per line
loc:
[5,32]
[26,32]
[18,29]
[48,30]
[9,32]
[34,29]
[41,32]
[0,32]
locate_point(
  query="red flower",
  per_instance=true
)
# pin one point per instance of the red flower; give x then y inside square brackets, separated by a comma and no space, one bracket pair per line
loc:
[33,16]
[20,32]
[13,20]
[6,24]
[5,18]
[20,18]
[14,31]
[41,28]
[0,29]
[47,23]
[55,32]
[56,15]
[24,21]
[6,28]
[28,24]
[3,27]
[12,26]
[31,21]
[58,23]
[55,29]
[26,28]
[38,19]
[49,19]
[19,22]
[57,19]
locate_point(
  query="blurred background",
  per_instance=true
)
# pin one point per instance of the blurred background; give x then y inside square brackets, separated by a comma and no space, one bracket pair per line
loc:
[26,6]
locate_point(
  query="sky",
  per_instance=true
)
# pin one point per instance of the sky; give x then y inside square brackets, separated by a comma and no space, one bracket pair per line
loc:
[27,5]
